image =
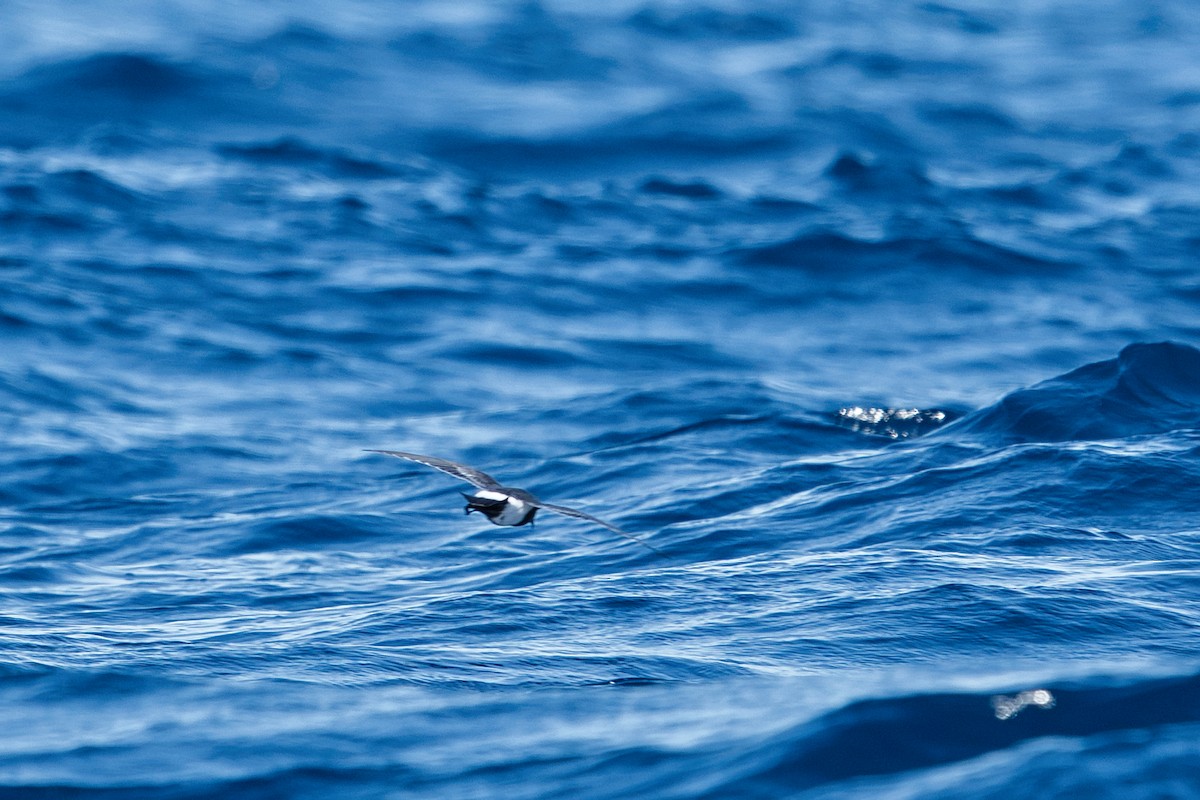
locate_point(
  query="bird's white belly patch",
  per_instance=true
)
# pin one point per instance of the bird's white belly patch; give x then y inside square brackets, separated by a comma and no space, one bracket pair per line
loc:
[514,511]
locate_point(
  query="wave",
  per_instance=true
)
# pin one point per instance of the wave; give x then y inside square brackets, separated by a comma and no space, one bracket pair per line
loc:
[824,251]
[617,738]
[896,735]
[292,151]
[699,24]
[128,75]
[103,87]
[121,101]
[1146,389]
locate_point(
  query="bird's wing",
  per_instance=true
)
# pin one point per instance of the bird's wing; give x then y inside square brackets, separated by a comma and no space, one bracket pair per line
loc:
[460,471]
[573,512]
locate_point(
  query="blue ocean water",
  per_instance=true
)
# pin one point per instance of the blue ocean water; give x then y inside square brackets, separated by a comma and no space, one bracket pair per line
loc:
[880,321]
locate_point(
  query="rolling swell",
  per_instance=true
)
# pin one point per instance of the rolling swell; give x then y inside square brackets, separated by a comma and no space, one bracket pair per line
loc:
[828,252]
[899,734]
[63,99]
[1147,389]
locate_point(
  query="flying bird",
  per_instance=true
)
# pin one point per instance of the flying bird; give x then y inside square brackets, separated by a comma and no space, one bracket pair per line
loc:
[504,505]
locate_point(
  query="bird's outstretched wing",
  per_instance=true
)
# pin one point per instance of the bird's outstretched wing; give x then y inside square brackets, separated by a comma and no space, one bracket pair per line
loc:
[577,514]
[460,471]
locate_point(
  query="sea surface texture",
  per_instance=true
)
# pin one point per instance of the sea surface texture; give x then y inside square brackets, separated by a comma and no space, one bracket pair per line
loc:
[878,321]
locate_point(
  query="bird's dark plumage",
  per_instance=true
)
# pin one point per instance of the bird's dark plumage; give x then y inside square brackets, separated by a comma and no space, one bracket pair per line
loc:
[460,471]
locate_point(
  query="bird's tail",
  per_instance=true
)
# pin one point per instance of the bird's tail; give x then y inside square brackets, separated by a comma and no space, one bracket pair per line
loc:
[481,504]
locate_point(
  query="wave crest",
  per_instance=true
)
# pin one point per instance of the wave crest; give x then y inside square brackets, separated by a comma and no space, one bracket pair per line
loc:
[1146,389]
